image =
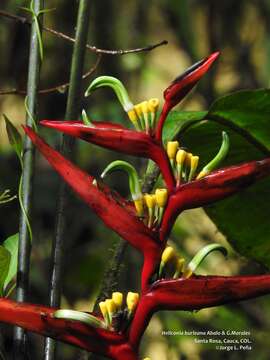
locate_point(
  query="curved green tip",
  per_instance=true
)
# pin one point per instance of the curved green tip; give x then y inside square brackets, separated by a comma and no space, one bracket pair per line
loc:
[117,87]
[205,251]
[80,316]
[86,120]
[134,183]
[221,155]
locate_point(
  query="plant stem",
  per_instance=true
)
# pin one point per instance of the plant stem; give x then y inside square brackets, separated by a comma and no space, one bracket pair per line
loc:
[27,181]
[72,112]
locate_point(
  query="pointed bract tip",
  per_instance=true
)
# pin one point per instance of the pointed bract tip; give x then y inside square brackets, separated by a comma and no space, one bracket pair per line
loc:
[208,61]
[185,82]
[214,55]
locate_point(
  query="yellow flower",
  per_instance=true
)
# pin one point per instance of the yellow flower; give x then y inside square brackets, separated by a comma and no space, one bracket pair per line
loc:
[179,267]
[117,298]
[144,107]
[161,197]
[104,312]
[138,109]
[103,309]
[153,105]
[132,301]
[133,118]
[150,200]
[111,307]
[172,147]
[180,161]
[168,254]
[193,166]
[180,156]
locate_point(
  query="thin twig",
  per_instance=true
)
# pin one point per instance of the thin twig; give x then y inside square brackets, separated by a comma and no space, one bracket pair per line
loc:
[61,35]
[128,51]
[58,88]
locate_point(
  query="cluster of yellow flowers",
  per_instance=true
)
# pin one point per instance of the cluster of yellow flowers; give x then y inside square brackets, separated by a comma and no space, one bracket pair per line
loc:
[184,164]
[110,307]
[143,115]
[155,205]
[170,256]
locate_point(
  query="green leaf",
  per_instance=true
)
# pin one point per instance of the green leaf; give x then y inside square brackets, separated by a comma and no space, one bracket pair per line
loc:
[5,257]
[178,121]
[244,217]
[246,112]
[14,137]
[11,244]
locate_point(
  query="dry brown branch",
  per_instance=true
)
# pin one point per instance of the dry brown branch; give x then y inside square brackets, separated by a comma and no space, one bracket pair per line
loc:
[61,35]
[61,87]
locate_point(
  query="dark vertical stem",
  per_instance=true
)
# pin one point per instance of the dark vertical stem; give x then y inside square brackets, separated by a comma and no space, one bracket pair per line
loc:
[72,112]
[27,180]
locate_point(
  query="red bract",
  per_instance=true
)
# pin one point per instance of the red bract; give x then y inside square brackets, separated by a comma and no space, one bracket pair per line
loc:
[119,215]
[116,137]
[216,186]
[186,81]
[181,86]
[115,211]
[195,293]
[39,319]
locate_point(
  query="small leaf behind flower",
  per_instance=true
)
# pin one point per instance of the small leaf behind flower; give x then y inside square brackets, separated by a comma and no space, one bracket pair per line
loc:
[5,258]
[14,136]
[11,244]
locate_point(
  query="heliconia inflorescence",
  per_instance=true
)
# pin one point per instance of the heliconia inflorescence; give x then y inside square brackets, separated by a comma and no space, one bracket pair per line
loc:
[145,220]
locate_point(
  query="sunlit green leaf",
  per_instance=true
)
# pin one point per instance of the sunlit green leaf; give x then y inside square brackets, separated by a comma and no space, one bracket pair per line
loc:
[179,120]
[14,136]
[11,244]
[5,257]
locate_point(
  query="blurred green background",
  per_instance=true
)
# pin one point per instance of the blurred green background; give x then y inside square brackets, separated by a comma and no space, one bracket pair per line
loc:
[194,28]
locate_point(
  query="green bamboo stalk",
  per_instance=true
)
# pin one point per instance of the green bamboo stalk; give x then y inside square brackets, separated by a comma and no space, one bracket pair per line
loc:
[27,181]
[72,112]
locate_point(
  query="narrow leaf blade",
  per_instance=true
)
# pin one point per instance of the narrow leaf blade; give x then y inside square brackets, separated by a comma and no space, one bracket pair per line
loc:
[11,244]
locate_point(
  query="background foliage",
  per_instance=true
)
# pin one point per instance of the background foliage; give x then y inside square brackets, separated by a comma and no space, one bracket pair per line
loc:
[240,29]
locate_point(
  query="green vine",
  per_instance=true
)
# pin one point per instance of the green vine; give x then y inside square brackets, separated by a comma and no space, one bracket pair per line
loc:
[15,141]
[35,18]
